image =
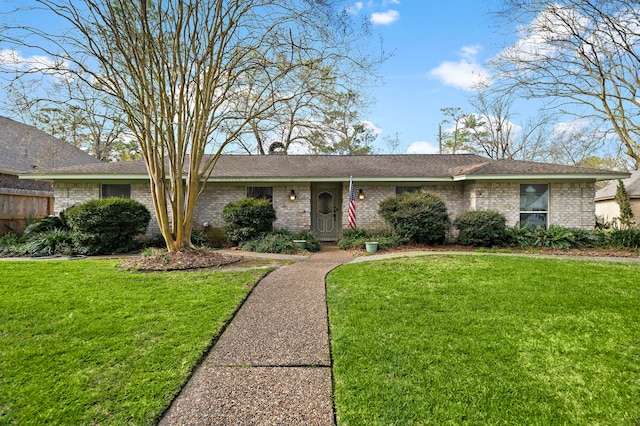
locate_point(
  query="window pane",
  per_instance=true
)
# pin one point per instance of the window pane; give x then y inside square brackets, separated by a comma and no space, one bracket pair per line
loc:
[260,192]
[534,198]
[325,203]
[534,219]
[116,190]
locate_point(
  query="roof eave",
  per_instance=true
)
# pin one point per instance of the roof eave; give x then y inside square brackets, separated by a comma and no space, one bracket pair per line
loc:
[79,176]
[549,176]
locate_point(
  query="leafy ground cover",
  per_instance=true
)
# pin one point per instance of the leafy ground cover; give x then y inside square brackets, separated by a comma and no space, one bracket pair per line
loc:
[82,342]
[476,339]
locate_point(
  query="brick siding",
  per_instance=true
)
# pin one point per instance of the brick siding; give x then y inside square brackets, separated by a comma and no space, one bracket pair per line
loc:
[570,204]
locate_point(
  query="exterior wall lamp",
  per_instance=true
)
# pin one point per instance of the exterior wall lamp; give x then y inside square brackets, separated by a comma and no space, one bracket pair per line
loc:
[292,196]
[360,195]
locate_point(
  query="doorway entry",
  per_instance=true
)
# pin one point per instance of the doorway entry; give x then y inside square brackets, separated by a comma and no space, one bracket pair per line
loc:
[326,212]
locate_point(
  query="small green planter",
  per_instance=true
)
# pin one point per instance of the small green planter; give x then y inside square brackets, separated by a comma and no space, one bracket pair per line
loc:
[301,244]
[371,247]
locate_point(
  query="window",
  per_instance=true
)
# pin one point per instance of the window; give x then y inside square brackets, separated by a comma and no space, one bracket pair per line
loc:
[260,192]
[534,205]
[115,190]
[404,189]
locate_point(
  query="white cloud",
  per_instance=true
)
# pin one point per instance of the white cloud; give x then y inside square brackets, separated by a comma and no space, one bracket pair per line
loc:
[385,18]
[355,8]
[372,127]
[35,63]
[470,52]
[465,74]
[422,148]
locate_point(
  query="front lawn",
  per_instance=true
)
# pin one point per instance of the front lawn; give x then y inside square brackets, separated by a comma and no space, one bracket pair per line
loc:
[82,342]
[475,339]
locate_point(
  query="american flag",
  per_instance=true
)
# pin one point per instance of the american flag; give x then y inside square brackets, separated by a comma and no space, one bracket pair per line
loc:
[352,205]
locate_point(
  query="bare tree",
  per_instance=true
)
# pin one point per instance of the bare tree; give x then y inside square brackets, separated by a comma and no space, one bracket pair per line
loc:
[306,118]
[494,132]
[177,69]
[70,110]
[584,54]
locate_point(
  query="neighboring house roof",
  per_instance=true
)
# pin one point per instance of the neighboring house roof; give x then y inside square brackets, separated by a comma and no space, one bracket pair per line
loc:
[632,185]
[24,149]
[317,168]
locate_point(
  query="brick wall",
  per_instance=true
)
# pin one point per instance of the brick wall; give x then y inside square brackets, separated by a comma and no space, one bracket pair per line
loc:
[572,205]
[500,196]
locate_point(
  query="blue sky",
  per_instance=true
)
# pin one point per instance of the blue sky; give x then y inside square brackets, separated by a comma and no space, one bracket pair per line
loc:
[438,47]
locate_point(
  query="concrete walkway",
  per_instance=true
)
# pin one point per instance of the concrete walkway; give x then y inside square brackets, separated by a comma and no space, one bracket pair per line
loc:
[272,365]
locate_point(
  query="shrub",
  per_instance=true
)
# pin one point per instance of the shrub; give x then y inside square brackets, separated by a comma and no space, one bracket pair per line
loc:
[312,241]
[421,217]
[48,223]
[625,238]
[481,228]
[198,238]
[556,237]
[11,244]
[247,219]
[280,241]
[353,238]
[47,243]
[522,236]
[356,238]
[108,225]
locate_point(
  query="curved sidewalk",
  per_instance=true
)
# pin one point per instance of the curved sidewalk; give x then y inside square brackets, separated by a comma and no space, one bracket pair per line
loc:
[272,365]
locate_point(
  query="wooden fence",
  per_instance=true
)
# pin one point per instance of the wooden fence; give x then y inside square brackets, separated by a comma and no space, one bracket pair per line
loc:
[19,208]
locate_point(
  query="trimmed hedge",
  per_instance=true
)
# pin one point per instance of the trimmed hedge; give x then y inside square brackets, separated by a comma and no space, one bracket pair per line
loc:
[420,216]
[108,225]
[481,228]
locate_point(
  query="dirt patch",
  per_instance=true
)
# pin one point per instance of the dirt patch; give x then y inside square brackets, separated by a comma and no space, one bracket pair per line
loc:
[181,260]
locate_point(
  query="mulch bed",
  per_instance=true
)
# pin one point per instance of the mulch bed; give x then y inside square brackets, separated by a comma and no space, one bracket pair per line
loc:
[181,260]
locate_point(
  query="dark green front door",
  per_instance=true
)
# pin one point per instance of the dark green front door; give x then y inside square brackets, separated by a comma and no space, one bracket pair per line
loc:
[326,216]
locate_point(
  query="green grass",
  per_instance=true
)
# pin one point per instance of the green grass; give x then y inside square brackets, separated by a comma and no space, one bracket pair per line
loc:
[82,342]
[476,339]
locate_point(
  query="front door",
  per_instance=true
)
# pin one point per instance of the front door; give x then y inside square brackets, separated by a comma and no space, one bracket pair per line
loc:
[326,202]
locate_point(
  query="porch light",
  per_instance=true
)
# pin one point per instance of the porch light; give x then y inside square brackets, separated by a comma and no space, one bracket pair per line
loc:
[292,196]
[360,195]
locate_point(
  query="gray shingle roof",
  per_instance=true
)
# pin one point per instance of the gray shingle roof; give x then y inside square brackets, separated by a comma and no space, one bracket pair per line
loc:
[319,167]
[25,149]
[632,185]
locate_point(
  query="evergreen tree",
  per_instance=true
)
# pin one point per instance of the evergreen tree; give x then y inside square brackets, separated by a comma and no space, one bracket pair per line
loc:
[623,200]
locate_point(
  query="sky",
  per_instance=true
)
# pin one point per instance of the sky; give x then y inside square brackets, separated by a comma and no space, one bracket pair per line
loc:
[439,48]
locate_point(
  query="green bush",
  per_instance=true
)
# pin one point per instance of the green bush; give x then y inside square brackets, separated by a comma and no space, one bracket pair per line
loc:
[108,225]
[353,238]
[421,217]
[12,244]
[356,239]
[279,241]
[247,219]
[481,228]
[47,243]
[48,223]
[556,237]
[312,241]
[624,238]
